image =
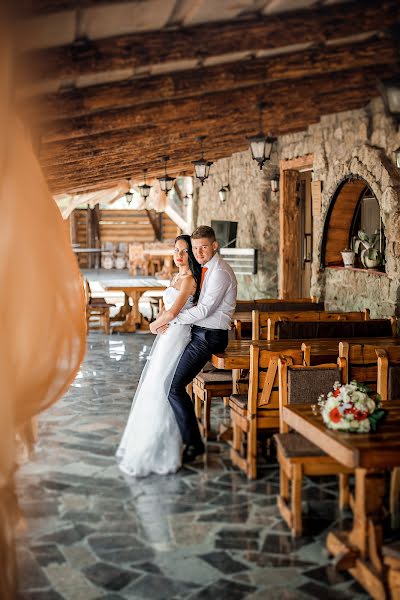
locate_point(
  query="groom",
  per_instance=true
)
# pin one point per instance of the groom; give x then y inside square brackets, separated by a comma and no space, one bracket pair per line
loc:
[211,319]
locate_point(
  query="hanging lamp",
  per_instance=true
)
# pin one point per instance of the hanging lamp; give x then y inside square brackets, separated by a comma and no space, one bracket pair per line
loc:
[144,189]
[260,144]
[202,166]
[166,182]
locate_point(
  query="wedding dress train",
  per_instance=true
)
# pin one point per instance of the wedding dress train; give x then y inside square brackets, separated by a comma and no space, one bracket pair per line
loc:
[151,442]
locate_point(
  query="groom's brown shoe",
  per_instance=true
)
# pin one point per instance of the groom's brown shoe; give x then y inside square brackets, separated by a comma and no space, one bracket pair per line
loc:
[190,453]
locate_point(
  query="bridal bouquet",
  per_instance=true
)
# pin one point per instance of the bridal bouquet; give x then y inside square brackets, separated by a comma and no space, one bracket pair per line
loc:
[351,408]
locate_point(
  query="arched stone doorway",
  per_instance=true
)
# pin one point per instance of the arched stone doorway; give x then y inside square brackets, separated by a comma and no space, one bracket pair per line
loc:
[353,206]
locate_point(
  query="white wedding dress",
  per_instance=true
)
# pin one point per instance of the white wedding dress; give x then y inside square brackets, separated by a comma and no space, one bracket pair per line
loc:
[152,442]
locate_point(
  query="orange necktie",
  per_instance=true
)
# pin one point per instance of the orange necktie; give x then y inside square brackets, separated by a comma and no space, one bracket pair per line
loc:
[203,274]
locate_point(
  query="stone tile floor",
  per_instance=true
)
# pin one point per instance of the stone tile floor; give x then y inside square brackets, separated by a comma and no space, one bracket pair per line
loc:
[205,532]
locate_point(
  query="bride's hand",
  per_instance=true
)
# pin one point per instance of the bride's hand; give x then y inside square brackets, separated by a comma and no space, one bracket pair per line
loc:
[163,328]
[153,329]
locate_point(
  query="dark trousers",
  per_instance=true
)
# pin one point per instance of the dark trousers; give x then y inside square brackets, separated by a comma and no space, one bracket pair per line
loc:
[203,344]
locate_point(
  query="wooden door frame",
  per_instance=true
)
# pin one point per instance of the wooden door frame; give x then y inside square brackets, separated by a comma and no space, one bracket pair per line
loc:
[288,204]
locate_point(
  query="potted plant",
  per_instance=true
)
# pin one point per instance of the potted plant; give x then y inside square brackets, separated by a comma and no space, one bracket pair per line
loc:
[370,255]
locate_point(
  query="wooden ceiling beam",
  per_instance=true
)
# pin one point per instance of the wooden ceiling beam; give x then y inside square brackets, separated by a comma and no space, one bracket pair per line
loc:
[131,158]
[45,7]
[207,111]
[221,78]
[142,50]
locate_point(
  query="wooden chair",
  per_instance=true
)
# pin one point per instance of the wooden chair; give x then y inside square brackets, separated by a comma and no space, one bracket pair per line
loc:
[391,558]
[259,408]
[97,311]
[359,362]
[388,386]
[137,260]
[296,455]
[377,367]
[209,383]
[264,323]
[212,383]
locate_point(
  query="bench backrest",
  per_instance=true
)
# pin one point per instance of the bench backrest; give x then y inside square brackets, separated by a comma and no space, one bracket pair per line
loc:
[334,329]
[265,324]
[304,384]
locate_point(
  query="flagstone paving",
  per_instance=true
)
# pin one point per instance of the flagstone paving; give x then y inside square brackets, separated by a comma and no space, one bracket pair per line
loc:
[205,532]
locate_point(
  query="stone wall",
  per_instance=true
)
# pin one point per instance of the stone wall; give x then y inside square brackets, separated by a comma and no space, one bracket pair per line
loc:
[251,203]
[361,142]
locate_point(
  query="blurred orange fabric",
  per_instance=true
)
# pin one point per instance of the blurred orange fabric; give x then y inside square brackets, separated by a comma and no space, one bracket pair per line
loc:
[42,306]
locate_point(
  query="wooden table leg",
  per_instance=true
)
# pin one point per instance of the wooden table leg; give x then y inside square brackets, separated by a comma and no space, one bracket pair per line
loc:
[129,325]
[139,319]
[134,319]
[359,551]
[123,311]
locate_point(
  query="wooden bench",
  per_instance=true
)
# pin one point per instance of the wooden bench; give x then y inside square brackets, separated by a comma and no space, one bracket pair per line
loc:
[243,313]
[286,330]
[266,325]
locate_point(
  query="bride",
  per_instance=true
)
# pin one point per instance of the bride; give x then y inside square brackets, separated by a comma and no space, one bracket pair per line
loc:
[151,442]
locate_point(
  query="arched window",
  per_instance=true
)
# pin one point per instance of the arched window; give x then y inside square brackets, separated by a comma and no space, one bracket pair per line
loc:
[353,207]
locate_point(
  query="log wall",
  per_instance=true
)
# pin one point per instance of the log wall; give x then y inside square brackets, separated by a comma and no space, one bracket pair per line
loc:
[119,226]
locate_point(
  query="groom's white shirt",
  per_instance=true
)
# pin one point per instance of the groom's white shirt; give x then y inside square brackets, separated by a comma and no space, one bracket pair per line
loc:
[217,300]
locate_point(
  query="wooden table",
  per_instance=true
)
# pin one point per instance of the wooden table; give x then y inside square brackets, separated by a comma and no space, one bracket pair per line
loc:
[237,353]
[370,454]
[133,288]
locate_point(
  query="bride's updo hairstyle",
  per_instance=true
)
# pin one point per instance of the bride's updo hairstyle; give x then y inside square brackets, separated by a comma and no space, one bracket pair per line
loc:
[193,264]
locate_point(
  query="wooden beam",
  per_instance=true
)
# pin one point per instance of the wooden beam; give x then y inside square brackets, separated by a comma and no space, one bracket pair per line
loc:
[221,78]
[159,47]
[155,221]
[43,7]
[137,127]
[107,166]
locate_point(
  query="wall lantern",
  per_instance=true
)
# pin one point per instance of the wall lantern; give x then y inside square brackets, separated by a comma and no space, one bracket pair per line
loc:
[202,166]
[144,189]
[223,193]
[260,144]
[397,154]
[129,194]
[225,189]
[390,90]
[166,182]
[274,184]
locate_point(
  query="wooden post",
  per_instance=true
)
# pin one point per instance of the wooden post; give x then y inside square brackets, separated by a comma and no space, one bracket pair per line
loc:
[73,228]
[290,242]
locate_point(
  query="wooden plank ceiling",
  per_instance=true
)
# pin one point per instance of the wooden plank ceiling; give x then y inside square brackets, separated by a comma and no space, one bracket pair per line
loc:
[113,86]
